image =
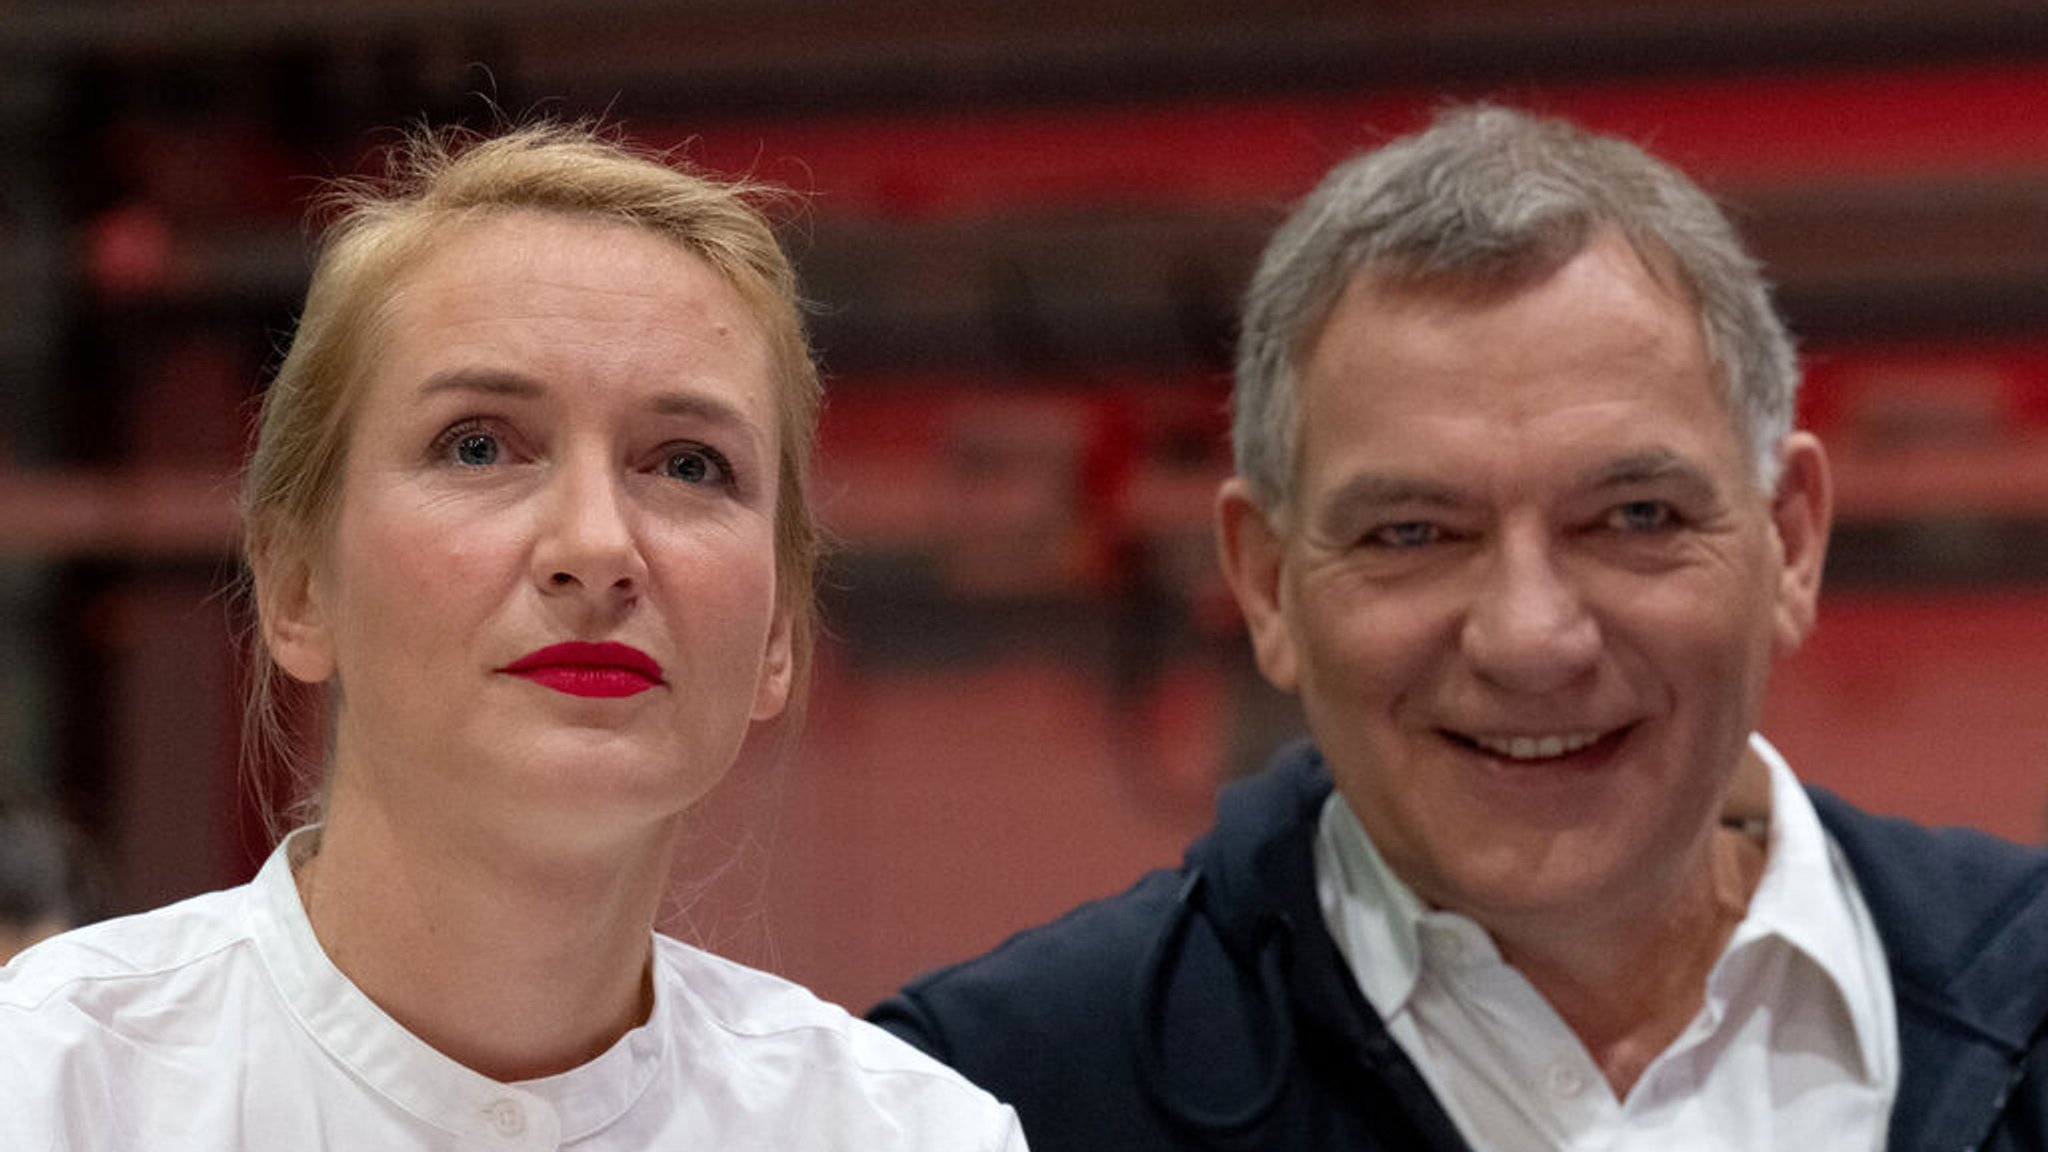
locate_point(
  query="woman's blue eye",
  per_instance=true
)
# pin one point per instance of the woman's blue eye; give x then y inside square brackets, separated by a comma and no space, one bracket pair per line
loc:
[476,449]
[697,466]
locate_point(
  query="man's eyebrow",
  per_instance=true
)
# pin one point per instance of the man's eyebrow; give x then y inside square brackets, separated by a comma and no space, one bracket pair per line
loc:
[1657,466]
[1360,494]
[1369,490]
[1372,488]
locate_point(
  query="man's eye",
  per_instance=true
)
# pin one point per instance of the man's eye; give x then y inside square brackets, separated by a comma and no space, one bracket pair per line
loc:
[697,464]
[1406,534]
[1642,516]
[476,449]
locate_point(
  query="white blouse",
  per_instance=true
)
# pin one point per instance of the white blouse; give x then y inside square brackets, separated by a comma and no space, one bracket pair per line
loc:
[218,1023]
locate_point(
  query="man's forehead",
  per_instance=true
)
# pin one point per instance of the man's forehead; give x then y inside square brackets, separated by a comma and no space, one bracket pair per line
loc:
[1593,386]
[1485,277]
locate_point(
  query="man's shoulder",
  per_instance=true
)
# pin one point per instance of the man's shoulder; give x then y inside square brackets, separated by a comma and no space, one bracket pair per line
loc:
[1954,873]
[1964,921]
[1081,970]
[1046,978]
[1945,900]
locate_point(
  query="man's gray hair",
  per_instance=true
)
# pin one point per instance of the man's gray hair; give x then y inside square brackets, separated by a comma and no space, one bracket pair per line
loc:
[1493,196]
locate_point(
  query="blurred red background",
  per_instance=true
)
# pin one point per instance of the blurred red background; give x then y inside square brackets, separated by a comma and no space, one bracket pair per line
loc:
[1025,248]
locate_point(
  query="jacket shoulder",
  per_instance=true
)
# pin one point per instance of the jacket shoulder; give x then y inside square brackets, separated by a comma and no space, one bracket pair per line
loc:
[1946,901]
[1964,921]
[1040,1021]
[1040,987]
[1076,975]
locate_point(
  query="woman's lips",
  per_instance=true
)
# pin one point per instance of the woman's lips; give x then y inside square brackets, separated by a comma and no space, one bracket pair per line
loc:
[581,669]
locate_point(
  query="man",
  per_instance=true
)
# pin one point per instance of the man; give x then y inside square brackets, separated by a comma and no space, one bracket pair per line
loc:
[1521,515]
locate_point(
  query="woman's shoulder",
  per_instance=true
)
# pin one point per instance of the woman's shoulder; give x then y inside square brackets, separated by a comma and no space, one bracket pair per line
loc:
[819,1058]
[130,1012]
[124,960]
[750,1006]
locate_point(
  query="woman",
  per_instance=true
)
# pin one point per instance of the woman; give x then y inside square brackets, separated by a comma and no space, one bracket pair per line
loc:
[528,500]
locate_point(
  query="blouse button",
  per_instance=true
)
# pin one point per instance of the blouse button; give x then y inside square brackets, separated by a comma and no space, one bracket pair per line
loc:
[507,1117]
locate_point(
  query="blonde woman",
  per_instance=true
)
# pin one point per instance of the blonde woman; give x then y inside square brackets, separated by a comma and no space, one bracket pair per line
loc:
[528,502]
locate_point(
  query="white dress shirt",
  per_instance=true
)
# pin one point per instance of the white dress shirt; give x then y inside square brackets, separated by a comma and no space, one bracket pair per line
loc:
[1795,1047]
[218,1023]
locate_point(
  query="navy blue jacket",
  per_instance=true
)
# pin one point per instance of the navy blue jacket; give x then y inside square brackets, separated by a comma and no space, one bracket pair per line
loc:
[1209,1008]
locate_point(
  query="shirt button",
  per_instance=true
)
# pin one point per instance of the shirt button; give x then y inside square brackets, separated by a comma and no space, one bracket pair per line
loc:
[507,1117]
[1565,1079]
[1448,946]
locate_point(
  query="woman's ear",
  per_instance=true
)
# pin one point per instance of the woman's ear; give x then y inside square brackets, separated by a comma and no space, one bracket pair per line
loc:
[289,610]
[778,668]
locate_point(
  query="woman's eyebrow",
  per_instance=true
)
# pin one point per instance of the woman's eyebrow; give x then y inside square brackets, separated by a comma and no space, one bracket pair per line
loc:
[505,382]
[697,406]
[484,381]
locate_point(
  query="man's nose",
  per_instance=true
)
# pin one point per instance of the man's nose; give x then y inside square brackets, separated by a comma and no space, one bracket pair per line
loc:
[1528,628]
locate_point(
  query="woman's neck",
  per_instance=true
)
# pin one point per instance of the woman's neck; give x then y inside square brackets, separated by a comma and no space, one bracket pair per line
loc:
[515,966]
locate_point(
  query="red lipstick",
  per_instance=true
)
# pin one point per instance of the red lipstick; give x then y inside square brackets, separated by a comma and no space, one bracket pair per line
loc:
[579,669]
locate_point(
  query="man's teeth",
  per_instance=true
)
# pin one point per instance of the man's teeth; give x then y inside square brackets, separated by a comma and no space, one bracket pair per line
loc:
[1536,747]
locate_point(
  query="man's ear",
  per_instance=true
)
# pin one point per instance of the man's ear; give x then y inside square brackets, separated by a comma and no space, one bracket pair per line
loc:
[1802,513]
[289,609]
[778,668]
[1251,551]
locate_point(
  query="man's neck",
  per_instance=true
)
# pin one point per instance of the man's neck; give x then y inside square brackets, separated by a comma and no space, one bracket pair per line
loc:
[1629,984]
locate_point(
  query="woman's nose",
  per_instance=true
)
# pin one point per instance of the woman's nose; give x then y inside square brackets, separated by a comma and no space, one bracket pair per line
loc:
[586,540]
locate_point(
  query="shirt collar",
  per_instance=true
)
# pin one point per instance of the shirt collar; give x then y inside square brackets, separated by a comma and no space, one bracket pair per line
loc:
[1375,918]
[405,1069]
[1806,898]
